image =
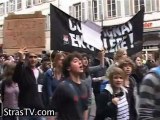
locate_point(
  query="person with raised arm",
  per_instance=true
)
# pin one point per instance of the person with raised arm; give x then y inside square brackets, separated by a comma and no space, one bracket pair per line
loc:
[30,81]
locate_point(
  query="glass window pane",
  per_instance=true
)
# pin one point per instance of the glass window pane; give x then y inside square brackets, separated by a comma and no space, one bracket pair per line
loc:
[28,3]
[109,7]
[77,9]
[119,8]
[113,6]
[89,10]
[1,9]
[109,13]
[19,4]
[109,2]
[148,6]
[113,2]
[127,7]
[154,5]
[95,9]
[141,2]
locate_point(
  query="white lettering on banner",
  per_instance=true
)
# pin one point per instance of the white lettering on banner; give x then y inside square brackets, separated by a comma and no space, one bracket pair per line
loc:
[76,36]
[77,41]
[118,37]
[116,31]
[131,39]
[124,29]
[74,27]
[71,26]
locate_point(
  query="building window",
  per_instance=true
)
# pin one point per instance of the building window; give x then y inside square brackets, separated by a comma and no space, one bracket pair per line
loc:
[7,7]
[77,9]
[37,2]
[1,27]
[43,1]
[1,9]
[71,11]
[111,8]
[29,3]
[83,11]
[95,10]
[127,7]
[158,5]
[48,22]
[138,4]
[90,10]
[100,10]
[150,5]
[11,5]
[118,6]
[19,4]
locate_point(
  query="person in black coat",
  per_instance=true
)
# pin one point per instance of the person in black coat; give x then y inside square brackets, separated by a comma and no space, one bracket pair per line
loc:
[113,96]
[30,81]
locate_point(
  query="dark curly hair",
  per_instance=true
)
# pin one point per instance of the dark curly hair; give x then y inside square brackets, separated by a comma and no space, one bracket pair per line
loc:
[67,62]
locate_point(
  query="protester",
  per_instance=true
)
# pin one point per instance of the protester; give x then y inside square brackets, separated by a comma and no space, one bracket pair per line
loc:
[70,98]
[118,56]
[53,77]
[149,101]
[156,56]
[140,70]
[9,89]
[128,66]
[150,62]
[98,75]
[86,76]
[30,81]
[1,66]
[45,64]
[112,103]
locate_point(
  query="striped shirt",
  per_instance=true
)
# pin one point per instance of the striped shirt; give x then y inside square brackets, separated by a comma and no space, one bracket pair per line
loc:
[149,101]
[123,108]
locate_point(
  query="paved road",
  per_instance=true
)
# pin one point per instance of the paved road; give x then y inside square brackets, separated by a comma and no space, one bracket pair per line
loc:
[92,113]
[93,109]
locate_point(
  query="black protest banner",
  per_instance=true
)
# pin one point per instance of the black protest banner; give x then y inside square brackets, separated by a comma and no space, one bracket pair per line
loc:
[66,33]
[128,35]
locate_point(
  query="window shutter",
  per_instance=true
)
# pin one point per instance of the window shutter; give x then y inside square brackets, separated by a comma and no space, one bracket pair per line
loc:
[105,10]
[100,13]
[71,11]
[83,11]
[90,10]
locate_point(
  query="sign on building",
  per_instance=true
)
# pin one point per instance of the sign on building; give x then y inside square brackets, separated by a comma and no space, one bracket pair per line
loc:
[27,30]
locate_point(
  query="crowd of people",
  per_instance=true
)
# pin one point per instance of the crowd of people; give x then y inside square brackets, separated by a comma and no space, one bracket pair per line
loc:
[123,88]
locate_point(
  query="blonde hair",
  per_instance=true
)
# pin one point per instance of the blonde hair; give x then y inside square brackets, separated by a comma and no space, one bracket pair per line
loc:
[58,55]
[119,54]
[116,71]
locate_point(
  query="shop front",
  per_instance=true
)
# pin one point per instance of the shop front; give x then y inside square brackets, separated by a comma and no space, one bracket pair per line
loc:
[151,36]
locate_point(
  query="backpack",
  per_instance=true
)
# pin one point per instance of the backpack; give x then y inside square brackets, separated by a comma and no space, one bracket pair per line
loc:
[103,85]
[155,71]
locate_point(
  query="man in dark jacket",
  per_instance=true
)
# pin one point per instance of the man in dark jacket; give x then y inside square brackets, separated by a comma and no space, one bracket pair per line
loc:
[30,81]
